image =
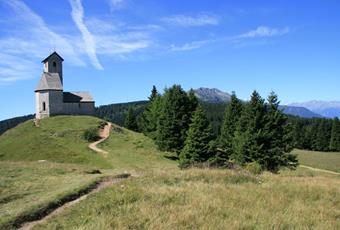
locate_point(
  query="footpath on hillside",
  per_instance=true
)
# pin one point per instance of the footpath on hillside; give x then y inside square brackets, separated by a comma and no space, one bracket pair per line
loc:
[104,134]
[53,211]
[320,170]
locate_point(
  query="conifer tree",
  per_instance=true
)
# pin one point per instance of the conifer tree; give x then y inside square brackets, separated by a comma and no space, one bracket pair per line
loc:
[193,101]
[199,142]
[150,116]
[174,119]
[230,121]
[323,136]
[154,94]
[131,120]
[278,139]
[250,132]
[335,135]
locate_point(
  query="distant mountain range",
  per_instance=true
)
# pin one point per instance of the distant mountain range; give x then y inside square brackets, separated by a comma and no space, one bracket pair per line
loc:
[328,109]
[215,102]
[212,95]
[217,96]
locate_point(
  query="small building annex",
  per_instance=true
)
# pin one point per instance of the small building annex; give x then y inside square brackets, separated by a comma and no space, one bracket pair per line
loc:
[51,100]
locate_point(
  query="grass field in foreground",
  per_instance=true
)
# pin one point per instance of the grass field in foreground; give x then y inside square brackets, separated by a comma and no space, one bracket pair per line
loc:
[27,188]
[321,160]
[210,199]
[159,196]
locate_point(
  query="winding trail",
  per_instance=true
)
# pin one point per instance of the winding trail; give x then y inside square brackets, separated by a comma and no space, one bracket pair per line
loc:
[319,170]
[104,134]
[101,185]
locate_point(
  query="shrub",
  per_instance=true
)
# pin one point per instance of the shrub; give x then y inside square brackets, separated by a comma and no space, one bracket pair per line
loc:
[91,134]
[102,124]
[254,168]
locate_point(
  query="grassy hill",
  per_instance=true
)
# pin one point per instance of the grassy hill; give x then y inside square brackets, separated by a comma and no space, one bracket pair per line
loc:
[58,139]
[159,195]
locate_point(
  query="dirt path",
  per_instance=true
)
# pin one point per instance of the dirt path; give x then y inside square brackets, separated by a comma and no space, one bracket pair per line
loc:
[104,134]
[319,170]
[104,184]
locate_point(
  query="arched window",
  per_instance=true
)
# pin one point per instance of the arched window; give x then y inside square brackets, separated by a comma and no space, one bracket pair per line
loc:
[44,106]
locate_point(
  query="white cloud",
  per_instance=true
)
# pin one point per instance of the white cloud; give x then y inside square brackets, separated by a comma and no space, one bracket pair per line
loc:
[27,41]
[190,21]
[110,45]
[190,45]
[89,40]
[264,31]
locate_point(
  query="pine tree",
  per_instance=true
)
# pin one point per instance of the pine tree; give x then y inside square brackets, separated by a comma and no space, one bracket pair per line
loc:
[199,142]
[174,119]
[323,136]
[230,121]
[335,135]
[278,139]
[250,132]
[154,94]
[193,102]
[149,118]
[131,120]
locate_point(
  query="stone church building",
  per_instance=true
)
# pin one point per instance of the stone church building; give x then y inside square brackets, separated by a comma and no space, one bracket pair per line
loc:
[50,97]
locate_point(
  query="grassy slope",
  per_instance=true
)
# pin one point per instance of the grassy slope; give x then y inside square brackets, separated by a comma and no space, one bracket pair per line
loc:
[28,187]
[58,139]
[161,196]
[322,160]
[130,150]
[210,199]
[164,197]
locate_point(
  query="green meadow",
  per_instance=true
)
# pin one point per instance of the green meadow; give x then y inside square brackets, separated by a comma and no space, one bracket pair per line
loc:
[40,166]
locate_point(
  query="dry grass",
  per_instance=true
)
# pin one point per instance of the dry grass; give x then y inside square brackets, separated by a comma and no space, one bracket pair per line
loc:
[27,188]
[211,199]
[160,196]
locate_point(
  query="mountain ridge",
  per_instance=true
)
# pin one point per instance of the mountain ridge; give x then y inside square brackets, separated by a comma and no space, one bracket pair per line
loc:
[214,95]
[329,109]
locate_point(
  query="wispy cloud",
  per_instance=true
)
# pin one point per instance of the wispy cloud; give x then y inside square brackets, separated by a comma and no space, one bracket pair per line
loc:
[191,45]
[28,39]
[190,21]
[264,31]
[241,40]
[89,40]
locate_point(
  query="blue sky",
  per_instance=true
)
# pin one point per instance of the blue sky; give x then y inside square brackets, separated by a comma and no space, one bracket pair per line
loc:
[118,49]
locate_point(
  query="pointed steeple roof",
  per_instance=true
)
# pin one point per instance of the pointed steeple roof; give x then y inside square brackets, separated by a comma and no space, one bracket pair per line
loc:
[54,53]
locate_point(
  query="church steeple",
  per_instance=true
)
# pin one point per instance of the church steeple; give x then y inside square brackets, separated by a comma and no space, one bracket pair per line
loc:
[54,64]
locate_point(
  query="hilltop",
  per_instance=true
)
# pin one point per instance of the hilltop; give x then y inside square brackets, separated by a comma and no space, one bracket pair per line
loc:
[42,165]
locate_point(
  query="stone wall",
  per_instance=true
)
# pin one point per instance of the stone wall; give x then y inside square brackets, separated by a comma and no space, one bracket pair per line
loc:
[53,103]
[41,97]
[83,108]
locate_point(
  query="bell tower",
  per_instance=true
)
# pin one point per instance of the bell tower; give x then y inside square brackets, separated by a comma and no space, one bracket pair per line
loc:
[54,64]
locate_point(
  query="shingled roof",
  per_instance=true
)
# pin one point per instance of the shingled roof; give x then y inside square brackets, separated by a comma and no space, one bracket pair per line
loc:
[70,97]
[49,81]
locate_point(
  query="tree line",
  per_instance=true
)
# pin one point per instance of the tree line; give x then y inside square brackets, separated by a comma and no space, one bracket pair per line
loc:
[11,123]
[317,134]
[257,131]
